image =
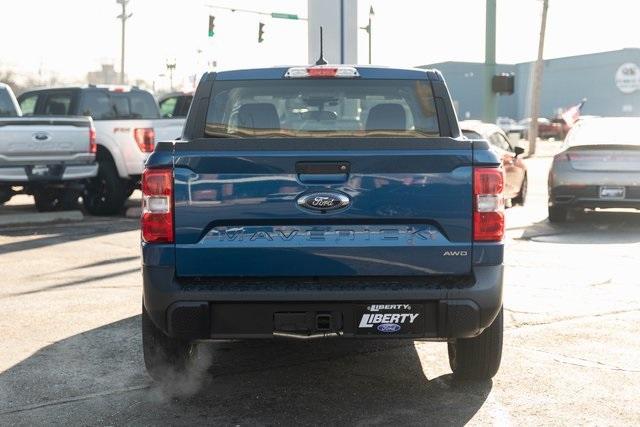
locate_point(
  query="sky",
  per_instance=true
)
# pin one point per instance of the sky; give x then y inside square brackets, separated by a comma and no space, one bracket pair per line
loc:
[71,37]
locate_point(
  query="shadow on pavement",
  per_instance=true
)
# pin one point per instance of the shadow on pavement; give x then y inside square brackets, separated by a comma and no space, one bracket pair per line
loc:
[53,234]
[98,377]
[590,227]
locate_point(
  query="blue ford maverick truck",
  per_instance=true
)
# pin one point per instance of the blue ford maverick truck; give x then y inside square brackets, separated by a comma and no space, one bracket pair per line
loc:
[323,201]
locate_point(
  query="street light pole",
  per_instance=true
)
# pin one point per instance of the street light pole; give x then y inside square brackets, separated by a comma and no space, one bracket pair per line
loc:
[171,65]
[123,17]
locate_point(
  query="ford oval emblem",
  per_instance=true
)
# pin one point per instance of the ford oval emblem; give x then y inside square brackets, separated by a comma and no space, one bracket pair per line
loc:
[388,327]
[323,201]
[40,136]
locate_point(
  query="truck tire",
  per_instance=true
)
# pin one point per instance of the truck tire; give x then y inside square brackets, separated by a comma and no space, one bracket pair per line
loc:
[558,214]
[478,358]
[5,195]
[163,356]
[107,192]
[55,199]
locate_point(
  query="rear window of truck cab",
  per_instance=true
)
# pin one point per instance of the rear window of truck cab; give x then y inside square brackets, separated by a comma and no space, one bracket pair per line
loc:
[322,108]
[115,105]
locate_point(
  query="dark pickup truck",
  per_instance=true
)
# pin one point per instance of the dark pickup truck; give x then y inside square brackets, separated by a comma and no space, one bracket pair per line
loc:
[323,201]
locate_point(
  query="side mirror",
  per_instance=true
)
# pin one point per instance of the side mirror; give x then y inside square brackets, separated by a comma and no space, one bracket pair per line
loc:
[518,150]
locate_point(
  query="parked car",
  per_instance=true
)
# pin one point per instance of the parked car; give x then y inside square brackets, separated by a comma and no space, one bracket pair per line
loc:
[509,125]
[546,129]
[50,158]
[286,212]
[127,122]
[516,180]
[176,104]
[598,168]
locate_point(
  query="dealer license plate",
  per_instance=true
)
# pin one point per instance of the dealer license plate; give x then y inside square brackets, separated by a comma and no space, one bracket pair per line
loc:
[607,192]
[390,319]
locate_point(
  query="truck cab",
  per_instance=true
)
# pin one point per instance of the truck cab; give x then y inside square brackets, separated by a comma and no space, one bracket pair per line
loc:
[323,201]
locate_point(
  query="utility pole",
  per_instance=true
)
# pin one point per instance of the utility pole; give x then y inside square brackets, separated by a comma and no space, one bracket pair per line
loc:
[537,82]
[368,29]
[123,17]
[490,107]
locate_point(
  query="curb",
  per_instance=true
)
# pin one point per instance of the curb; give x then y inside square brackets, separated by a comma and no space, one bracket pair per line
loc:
[40,218]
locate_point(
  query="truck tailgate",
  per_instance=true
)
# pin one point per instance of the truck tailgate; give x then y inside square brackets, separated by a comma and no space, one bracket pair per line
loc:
[168,129]
[240,213]
[29,140]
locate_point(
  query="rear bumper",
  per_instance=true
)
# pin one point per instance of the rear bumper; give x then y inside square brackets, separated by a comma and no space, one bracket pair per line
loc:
[572,188]
[197,311]
[588,196]
[19,175]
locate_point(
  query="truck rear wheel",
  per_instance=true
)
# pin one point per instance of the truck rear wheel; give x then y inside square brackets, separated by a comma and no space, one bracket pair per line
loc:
[106,193]
[55,199]
[478,358]
[163,356]
[5,195]
[558,214]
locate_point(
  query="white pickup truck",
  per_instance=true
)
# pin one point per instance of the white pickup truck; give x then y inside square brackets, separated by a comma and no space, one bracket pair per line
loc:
[128,124]
[48,157]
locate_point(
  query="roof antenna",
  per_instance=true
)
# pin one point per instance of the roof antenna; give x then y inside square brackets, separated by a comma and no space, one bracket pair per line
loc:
[321,60]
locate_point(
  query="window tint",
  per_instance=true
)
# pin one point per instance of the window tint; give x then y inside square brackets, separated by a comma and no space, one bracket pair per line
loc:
[58,104]
[134,105]
[28,104]
[322,107]
[97,105]
[183,106]
[471,134]
[168,106]
[109,105]
[7,108]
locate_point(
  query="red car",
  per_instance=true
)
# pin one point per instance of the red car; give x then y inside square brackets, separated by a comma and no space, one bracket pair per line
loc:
[515,192]
[546,129]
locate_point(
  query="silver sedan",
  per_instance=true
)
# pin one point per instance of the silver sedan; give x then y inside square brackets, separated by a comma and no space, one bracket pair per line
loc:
[598,168]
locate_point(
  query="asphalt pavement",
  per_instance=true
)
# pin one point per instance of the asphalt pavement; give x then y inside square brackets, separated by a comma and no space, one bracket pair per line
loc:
[71,348]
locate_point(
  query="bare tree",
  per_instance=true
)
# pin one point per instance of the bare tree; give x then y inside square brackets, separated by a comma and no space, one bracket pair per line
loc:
[9,77]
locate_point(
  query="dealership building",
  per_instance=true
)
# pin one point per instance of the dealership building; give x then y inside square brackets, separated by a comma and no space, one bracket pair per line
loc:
[610,81]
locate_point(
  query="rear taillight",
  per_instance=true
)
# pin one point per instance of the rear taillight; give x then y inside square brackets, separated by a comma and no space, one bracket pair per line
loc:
[93,147]
[488,199]
[145,138]
[157,206]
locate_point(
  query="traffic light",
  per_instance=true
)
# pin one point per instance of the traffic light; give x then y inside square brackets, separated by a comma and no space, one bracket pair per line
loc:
[212,24]
[260,32]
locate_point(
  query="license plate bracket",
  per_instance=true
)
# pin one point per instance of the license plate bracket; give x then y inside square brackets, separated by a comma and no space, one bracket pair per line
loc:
[612,192]
[390,319]
[44,172]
